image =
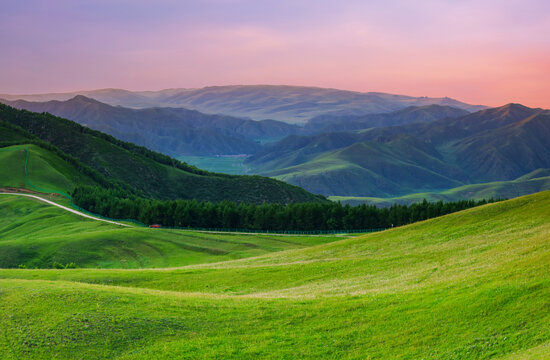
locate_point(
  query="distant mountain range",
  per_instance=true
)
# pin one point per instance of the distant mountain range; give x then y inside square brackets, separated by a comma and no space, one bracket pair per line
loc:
[179,131]
[291,104]
[173,131]
[347,144]
[490,145]
[411,114]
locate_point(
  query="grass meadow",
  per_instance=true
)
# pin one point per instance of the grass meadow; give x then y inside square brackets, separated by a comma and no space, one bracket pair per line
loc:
[470,285]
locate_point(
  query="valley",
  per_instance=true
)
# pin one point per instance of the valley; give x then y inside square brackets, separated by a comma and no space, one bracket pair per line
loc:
[416,149]
[446,279]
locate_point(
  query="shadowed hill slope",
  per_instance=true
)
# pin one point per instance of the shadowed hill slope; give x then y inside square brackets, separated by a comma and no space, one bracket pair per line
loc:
[499,144]
[149,173]
[173,131]
[411,114]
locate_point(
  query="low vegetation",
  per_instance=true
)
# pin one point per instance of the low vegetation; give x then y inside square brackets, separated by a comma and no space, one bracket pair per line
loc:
[37,235]
[470,285]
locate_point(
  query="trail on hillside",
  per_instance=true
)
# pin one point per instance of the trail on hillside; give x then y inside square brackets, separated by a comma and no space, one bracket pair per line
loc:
[66,208]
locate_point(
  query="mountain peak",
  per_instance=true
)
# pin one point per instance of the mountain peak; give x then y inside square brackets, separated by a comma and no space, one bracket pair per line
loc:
[82,98]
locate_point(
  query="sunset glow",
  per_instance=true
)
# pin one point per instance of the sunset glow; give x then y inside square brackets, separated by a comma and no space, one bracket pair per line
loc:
[484,52]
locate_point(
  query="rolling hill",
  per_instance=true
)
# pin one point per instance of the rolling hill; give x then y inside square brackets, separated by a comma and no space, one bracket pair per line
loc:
[49,171]
[172,131]
[292,104]
[141,170]
[499,144]
[470,285]
[536,181]
[36,235]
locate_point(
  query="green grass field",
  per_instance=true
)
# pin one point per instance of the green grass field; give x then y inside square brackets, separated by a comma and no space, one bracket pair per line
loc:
[35,234]
[470,285]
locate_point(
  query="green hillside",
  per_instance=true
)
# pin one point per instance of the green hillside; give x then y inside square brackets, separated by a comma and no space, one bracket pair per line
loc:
[49,171]
[538,180]
[400,166]
[470,285]
[148,173]
[499,144]
[35,234]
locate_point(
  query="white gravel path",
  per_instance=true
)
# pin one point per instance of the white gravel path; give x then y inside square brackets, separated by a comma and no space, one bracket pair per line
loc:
[65,208]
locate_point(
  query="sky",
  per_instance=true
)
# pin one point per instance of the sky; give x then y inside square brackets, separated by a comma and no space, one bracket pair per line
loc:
[489,52]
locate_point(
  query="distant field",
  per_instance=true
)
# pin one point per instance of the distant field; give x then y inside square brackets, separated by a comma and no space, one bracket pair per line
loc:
[35,234]
[528,184]
[470,285]
[220,164]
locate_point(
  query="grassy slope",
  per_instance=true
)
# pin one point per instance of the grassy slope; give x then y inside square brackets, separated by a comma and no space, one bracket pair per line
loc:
[372,168]
[149,172]
[46,170]
[36,234]
[470,285]
[527,184]
[13,170]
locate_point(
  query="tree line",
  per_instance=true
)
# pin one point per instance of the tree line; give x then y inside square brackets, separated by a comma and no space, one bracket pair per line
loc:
[117,204]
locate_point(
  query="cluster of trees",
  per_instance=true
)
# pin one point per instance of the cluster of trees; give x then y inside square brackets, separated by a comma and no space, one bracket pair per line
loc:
[116,204]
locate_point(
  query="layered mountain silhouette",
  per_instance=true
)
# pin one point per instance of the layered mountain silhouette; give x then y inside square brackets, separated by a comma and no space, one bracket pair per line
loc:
[490,145]
[179,131]
[292,104]
[173,131]
[350,144]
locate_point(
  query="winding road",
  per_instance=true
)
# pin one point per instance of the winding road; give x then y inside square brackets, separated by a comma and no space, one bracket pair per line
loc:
[65,208]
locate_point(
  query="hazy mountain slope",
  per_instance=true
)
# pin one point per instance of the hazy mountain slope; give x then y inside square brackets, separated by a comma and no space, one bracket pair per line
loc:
[293,104]
[536,181]
[396,167]
[411,114]
[173,131]
[491,145]
[150,173]
[508,152]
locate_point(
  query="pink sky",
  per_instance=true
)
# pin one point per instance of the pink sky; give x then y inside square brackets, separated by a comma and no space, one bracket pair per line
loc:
[484,52]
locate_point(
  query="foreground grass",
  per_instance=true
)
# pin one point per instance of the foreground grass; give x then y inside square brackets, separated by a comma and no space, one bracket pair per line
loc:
[35,234]
[470,285]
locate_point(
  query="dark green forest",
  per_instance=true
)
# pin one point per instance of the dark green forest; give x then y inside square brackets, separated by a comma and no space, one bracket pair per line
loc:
[117,204]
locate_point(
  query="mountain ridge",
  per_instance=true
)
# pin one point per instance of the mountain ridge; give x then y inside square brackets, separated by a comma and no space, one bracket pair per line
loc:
[293,104]
[498,144]
[173,131]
